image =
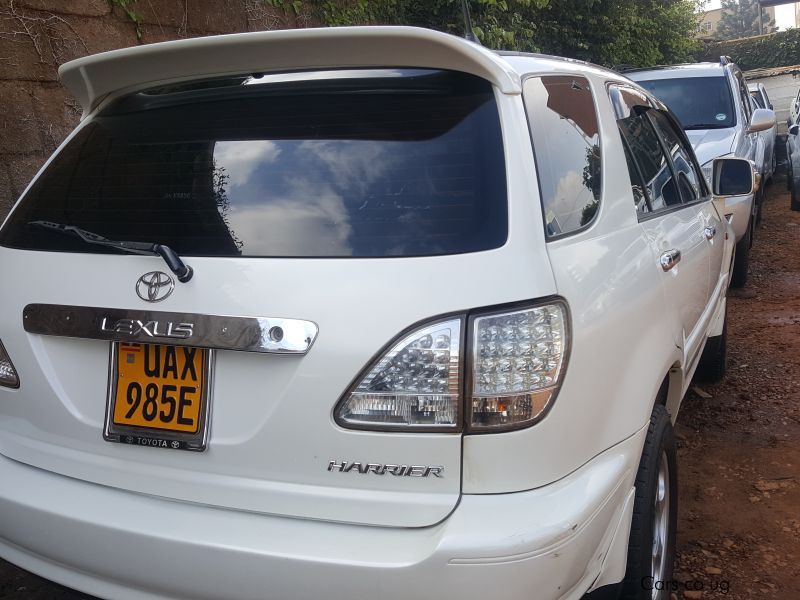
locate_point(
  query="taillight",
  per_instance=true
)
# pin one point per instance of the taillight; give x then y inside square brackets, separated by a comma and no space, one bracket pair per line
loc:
[8,375]
[415,385]
[517,361]
[514,368]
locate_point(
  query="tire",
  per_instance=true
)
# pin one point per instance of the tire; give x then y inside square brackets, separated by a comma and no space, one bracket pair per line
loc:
[711,367]
[762,194]
[794,203]
[655,513]
[742,259]
[774,166]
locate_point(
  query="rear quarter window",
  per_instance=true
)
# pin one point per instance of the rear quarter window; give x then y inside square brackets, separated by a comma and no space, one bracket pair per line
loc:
[566,141]
[363,164]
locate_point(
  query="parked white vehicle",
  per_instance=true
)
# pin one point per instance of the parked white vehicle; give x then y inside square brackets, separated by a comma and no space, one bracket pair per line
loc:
[430,329]
[759,94]
[794,109]
[793,164]
[713,104]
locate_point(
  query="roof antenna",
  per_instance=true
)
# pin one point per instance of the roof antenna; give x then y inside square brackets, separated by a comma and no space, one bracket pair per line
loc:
[469,34]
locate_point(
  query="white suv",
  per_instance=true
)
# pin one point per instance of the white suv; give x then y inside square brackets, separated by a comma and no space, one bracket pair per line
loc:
[713,103]
[284,320]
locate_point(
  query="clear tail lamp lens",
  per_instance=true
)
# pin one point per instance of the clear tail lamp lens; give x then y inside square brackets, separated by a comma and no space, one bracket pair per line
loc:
[8,375]
[518,359]
[416,385]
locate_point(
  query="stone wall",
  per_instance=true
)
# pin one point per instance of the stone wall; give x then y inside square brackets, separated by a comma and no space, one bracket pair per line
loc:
[36,36]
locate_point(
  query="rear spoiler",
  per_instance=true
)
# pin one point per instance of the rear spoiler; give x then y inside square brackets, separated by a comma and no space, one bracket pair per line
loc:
[90,79]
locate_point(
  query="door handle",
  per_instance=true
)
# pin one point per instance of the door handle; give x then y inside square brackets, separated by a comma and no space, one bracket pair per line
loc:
[670,258]
[710,232]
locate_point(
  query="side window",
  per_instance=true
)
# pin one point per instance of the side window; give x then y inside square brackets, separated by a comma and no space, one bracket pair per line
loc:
[744,95]
[625,100]
[637,185]
[654,172]
[767,102]
[566,140]
[688,179]
[746,101]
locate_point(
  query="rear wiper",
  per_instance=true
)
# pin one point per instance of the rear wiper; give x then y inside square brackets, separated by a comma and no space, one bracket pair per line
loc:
[182,271]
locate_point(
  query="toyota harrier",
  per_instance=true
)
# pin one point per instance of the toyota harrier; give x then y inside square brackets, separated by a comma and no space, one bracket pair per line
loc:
[355,313]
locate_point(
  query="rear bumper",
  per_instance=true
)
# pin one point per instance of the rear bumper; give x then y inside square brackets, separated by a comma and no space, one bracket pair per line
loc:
[555,542]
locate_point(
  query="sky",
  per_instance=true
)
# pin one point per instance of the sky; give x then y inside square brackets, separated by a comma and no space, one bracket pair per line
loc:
[784,14]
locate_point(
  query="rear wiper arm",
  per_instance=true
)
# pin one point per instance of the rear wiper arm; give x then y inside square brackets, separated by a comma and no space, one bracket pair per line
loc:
[182,271]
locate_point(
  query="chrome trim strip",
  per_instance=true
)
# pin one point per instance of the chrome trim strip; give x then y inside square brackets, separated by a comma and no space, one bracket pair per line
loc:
[246,334]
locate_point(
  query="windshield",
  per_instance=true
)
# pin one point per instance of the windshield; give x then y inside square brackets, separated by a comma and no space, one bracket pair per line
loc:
[400,163]
[698,102]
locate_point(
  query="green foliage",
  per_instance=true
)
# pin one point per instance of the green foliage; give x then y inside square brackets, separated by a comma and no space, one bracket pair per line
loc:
[497,23]
[740,19]
[135,17]
[633,32]
[781,49]
[609,32]
[294,5]
[614,32]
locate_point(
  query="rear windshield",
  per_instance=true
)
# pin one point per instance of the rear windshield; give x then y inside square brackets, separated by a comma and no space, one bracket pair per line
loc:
[352,164]
[699,102]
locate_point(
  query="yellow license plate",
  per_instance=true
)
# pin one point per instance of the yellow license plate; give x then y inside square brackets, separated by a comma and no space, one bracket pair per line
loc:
[159,387]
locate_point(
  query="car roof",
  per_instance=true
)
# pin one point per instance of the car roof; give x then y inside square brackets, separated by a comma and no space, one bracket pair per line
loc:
[529,63]
[705,69]
[524,63]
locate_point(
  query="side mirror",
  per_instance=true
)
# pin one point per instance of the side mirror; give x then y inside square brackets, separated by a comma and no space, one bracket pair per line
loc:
[762,119]
[794,129]
[732,177]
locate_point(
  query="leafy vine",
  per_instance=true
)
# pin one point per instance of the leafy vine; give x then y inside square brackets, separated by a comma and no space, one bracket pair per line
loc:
[135,17]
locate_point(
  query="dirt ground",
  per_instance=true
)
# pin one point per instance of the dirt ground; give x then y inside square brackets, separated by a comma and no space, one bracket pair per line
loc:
[739,444]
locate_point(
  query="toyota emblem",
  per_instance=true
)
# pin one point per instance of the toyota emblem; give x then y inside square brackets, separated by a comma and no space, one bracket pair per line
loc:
[154,286]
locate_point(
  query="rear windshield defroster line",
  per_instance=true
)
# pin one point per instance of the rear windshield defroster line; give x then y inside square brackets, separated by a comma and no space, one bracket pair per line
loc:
[407,165]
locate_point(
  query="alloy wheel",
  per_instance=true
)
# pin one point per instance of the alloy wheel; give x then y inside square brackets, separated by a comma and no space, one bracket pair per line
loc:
[661,512]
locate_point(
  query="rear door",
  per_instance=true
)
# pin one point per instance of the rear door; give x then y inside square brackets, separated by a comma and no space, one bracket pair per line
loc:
[671,213]
[695,193]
